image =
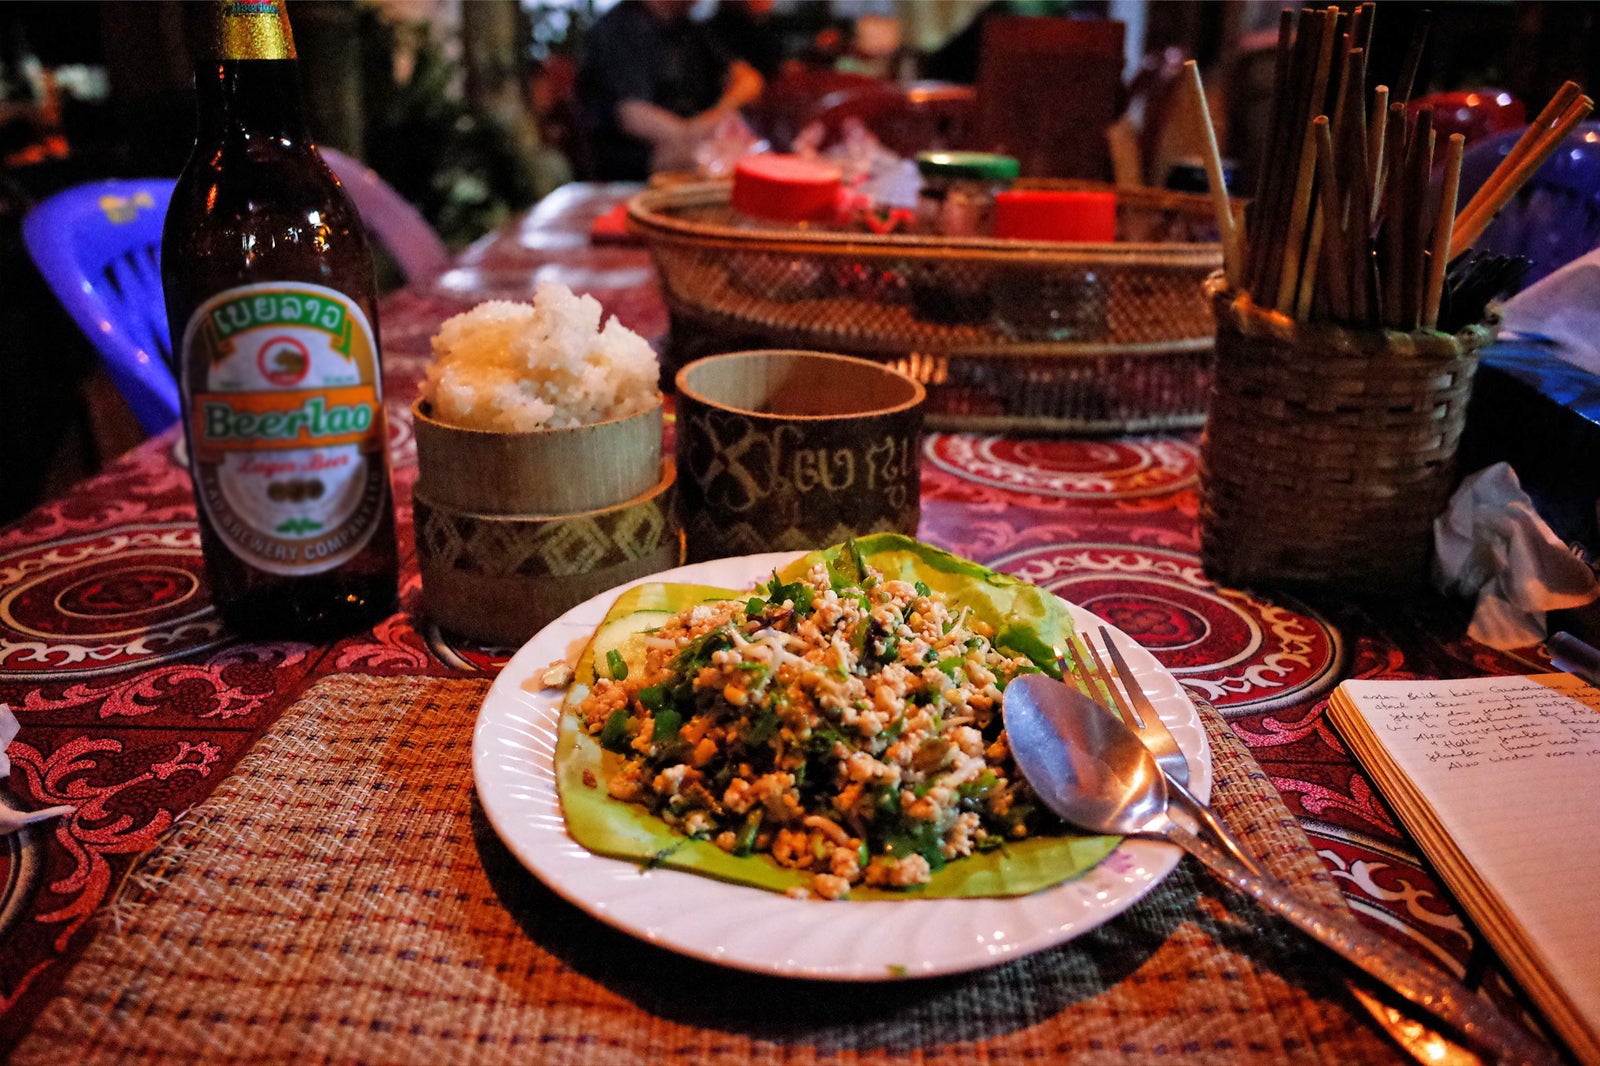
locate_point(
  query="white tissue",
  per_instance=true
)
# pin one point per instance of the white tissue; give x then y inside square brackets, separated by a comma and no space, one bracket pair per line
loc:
[1491,543]
[10,820]
[1565,308]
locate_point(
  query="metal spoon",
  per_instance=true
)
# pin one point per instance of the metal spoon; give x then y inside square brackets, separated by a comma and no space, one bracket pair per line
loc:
[1092,770]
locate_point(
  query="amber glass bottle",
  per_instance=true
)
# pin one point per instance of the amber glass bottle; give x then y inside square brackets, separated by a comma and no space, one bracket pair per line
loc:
[269,292]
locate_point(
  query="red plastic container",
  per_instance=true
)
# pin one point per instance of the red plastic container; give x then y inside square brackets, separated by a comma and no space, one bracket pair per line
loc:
[786,188]
[1050,215]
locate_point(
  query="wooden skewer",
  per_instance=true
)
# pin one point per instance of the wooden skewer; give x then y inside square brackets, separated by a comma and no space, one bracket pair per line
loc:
[1219,191]
[1552,113]
[1441,230]
[1377,141]
[1300,208]
[1466,233]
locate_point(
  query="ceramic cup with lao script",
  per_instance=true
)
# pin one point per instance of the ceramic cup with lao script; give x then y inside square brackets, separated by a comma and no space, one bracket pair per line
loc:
[786,450]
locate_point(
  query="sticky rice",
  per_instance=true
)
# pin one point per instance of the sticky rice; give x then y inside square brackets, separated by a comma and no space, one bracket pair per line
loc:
[514,367]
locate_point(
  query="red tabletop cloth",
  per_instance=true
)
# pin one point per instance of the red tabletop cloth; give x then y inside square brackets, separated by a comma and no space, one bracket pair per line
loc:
[135,702]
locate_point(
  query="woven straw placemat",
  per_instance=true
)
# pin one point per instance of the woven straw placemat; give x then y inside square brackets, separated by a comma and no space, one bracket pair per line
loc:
[341,898]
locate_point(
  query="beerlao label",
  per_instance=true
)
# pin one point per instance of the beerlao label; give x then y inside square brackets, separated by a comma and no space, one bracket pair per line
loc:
[286,425]
[252,29]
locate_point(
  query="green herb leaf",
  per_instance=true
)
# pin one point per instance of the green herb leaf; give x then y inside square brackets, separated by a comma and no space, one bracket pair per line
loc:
[614,737]
[979,786]
[696,655]
[847,569]
[668,722]
[762,727]
[796,592]
[745,841]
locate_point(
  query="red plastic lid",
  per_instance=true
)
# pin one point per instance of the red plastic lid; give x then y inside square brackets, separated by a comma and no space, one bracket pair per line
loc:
[1048,215]
[785,188]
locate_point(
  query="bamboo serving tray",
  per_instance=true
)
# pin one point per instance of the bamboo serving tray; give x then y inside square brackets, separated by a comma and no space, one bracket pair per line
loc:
[1004,334]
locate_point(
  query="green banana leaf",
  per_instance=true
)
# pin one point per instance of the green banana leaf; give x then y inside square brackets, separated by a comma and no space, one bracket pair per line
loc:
[1027,621]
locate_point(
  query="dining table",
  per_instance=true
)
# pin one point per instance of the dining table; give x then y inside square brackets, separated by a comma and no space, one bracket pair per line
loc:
[275,850]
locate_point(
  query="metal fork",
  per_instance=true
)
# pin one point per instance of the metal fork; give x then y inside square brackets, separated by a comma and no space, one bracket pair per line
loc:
[1088,670]
[1424,1043]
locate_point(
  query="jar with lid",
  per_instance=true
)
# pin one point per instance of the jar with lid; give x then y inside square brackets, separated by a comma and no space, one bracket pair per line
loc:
[1061,300]
[781,192]
[958,190]
[956,200]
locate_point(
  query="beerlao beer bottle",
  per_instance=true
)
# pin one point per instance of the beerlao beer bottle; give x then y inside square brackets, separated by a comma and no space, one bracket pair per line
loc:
[270,297]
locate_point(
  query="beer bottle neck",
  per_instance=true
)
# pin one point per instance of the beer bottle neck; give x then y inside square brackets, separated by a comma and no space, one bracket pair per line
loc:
[252,97]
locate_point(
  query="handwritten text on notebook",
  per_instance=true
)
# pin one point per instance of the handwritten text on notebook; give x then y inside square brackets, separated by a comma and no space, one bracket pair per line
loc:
[1515,719]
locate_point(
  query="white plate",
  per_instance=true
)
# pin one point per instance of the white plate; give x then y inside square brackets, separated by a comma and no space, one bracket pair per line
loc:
[513,765]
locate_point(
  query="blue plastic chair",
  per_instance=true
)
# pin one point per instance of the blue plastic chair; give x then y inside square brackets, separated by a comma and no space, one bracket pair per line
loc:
[99,248]
[1555,217]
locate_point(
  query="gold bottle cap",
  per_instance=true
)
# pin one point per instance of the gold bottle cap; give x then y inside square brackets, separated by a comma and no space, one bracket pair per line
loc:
[253,29]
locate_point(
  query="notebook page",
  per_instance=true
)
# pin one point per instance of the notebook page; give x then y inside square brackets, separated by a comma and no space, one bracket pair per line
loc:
[1511,768]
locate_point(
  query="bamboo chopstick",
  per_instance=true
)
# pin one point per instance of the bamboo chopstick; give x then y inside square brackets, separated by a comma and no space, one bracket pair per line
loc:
[1333,248]
[1219,191]
[1291,118]
[1441,230]
[1378,139]
[1408,77]
[1413,271]
[1343,226]
[1391,245]
[1558,105]
[1536,145]
[1300,206]
[1255,254]
[1352,140]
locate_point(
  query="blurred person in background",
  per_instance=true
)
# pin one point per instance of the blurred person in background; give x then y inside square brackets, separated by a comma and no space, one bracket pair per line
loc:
[652,85]
[747,30]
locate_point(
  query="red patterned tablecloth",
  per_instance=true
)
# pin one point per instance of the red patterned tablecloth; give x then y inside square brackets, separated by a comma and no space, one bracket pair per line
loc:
[135,702]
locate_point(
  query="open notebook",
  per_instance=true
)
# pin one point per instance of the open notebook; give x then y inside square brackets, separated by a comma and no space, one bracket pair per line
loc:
[1498,778]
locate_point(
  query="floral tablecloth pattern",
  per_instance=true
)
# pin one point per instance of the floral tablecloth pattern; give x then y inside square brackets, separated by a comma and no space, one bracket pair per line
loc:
[135,701]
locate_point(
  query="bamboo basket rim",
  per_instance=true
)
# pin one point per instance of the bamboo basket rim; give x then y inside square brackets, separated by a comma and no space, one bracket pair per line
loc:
[919,392]
[650,215]
[1239,311]
[984,349]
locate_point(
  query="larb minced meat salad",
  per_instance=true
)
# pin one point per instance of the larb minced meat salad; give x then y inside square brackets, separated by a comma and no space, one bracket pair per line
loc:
[849,728]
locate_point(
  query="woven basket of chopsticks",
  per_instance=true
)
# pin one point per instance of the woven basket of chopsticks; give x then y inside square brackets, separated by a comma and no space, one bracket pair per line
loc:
[1003,334]
[1328,451]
